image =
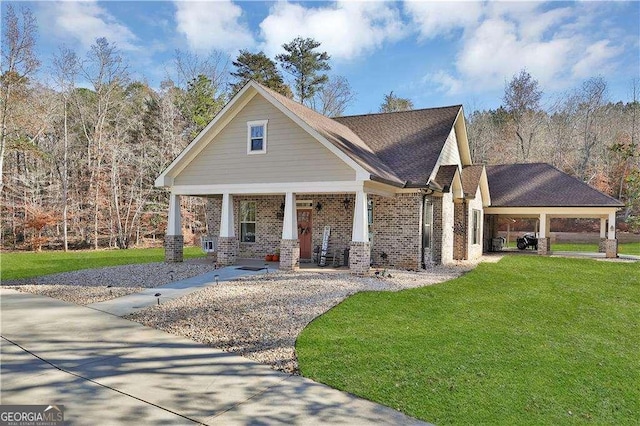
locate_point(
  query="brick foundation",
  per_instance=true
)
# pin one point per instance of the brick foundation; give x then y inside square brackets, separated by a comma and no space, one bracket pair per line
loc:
[289,255]
[173,248]
[544,246]
[611,248]
[359,257]
[602,245]
[227,250]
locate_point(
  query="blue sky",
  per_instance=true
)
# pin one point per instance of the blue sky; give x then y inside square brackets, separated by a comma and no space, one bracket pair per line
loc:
[435,53]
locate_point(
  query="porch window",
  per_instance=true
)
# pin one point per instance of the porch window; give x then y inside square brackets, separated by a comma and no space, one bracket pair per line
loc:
[475,239]
[248,221]
[257,137]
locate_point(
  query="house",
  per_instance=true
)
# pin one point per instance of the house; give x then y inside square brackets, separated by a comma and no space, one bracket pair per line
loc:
[395,189]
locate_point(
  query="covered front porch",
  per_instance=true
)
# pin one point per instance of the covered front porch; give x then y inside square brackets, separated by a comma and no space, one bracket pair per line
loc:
[607,216]
[304,226]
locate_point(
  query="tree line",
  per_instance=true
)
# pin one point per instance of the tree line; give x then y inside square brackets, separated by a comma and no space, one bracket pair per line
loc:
[80,148]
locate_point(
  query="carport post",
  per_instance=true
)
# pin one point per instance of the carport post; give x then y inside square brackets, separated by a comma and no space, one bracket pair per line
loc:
[543,239]
[611,243]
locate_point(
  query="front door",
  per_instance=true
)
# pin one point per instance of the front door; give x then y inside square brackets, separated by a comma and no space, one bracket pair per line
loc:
[304,233]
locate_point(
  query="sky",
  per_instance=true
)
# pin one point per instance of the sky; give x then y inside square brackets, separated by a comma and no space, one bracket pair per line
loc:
[435,53]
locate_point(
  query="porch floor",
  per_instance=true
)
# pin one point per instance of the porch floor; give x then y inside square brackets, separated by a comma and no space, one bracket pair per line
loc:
[274,266]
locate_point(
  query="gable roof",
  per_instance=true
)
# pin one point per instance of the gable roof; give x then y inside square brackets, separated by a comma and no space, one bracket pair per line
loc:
[410,142]
[541,185]
[471,179]
[401,149]
[342,137]
[444,177]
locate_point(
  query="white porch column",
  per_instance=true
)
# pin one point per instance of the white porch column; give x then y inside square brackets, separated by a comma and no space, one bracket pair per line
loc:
[603,227]
[174,240]
[360,230]
[611,232]
[228,245]
[611,243]
[543,239]
[227,228]
[543,226]
[289,223]
[360,247]
[289,244]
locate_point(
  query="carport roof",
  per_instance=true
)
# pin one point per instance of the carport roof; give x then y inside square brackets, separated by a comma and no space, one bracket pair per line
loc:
[541,185]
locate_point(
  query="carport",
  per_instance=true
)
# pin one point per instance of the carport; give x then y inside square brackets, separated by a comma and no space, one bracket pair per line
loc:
[543,192]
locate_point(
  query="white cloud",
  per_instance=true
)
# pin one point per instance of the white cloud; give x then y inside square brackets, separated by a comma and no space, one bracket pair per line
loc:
[86,21]
[445,82]
[440,18]
[346,29]
[211,25]
[553,44]
[598,58]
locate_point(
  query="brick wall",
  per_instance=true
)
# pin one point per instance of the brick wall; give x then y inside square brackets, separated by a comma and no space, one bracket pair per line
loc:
[396,230]
[461,230]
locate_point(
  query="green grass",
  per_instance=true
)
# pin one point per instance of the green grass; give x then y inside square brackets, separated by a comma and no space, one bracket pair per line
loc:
[528,340]
[623,248]
[17,265]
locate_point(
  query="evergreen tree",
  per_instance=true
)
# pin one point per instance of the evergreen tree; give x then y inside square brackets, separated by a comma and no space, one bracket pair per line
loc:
[305,64]
[258,67]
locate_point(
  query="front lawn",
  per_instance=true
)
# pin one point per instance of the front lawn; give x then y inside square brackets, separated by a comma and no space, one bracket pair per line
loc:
[527,340]
[27,264]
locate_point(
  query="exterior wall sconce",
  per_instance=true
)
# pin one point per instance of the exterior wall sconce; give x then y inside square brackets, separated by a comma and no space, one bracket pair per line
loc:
[346,203]
[318,206]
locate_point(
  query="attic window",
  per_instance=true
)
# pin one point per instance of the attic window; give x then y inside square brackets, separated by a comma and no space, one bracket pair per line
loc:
[257,137]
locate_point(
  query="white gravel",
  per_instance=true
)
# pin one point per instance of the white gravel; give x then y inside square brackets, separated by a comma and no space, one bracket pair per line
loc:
[90,285]
[258,316]
[261,316]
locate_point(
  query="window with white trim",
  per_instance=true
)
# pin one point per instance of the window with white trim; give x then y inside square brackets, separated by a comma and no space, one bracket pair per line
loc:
[248,221]
[257,137]
[476,227]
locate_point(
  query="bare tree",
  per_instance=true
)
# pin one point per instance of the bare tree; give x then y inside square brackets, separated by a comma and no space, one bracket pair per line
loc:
[522,102]
[334,97]
[18,56]
[393,103]
[65,71]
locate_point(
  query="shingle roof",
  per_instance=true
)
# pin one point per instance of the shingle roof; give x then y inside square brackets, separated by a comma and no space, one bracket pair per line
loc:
[444,177]
[541,185]
[409,142]
[471,179]
[342,137]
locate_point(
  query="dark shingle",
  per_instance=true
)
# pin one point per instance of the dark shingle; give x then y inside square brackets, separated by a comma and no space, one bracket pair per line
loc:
[471,179]
[541,185]
[444,177]
[409,142]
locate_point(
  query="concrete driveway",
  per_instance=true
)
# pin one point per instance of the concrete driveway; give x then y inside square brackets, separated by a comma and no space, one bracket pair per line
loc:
[109,371]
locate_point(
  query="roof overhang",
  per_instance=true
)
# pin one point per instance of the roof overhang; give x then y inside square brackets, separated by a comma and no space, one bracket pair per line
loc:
[571,212]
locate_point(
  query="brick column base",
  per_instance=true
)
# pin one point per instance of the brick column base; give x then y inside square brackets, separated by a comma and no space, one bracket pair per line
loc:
[228,248]
[611,248]
[544,246]
[173,248]
[602,245]
[289,255]
[359,257]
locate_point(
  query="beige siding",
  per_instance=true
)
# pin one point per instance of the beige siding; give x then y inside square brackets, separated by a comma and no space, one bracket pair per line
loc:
[292,154]
[450,154]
